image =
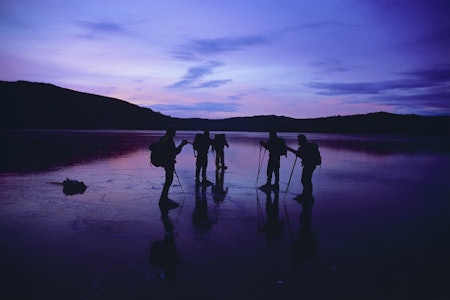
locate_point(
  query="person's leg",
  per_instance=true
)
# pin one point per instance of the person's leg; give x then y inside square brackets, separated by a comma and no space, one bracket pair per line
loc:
[164,202]
[203,163]
[204,166]
[307,180]
[269,173]
[222,158]
[168,182]
[217,159]
[197,169]
[271,169]
[276,171]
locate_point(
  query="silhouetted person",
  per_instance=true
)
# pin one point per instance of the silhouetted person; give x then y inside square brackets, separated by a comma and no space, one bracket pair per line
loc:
[201,145]
[164,253]
[310,156]
[170,152]
[276,147]
[219,143]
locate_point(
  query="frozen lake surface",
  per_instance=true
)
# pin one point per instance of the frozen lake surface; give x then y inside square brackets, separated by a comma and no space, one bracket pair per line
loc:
[379,226]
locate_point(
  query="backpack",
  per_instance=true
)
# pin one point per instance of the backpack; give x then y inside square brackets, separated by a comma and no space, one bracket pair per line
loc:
[279,146]
[220,140]
[197,141]
[201,143]
[157,155]
[315,154]
[282,146]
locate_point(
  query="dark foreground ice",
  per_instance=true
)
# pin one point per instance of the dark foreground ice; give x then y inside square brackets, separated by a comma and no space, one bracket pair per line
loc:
[378,228]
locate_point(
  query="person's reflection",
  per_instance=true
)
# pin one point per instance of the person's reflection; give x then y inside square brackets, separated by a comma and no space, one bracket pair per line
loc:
[219,192]
[200,216]
[273,226]
[164,253]
[306,246]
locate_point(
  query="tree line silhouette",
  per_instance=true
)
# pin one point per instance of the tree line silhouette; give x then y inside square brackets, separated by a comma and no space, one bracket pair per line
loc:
[28,105]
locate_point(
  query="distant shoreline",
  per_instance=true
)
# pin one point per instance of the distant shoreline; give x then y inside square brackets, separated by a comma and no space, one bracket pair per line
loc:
[28,105]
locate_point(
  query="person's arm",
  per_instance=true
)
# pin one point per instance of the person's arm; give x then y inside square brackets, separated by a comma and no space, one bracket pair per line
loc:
[180,146]
[292,150]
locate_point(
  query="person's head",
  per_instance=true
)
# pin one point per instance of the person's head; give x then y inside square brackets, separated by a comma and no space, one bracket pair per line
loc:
[301,139]
[170,131]
[272,134]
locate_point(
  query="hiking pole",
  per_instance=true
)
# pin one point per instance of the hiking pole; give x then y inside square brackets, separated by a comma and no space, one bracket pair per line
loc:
[260,163]
[179,182]
[290,177]
[184,198]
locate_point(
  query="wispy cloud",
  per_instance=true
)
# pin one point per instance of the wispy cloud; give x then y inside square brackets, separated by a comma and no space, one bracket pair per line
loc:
[329,65]
[438,99]
[201,51]
[435,102]
[338,88]
[213,83]
[331,24]
[193,76]
[198,49]
[223,44]
[185,55]
[238,96]
[200,107]
[436,74]
[425,78]
[426,89]
[95,30]
[249,93]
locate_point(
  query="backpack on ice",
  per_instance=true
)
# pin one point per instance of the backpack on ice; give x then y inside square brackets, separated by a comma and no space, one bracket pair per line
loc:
[157,155]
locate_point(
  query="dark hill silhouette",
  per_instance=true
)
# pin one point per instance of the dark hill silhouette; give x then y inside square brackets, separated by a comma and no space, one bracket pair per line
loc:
[372,123]
[40,105]
[44,106]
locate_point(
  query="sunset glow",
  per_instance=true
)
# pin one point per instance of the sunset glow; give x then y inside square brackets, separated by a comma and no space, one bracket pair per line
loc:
[217,59]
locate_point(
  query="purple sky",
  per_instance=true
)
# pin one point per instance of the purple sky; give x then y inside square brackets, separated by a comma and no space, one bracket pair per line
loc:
[216,59]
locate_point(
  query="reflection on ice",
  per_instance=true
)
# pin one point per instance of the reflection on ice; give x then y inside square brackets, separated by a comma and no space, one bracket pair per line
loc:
[163,253]
[272,225]
[379,211]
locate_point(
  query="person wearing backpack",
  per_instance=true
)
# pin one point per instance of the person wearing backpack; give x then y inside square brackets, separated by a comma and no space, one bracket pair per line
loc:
[219,143]
[276,147]
[202,142]
[170,151]
[310,155]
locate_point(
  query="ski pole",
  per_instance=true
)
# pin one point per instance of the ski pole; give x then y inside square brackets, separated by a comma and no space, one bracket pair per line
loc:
[179,182]
[290,177]
[260,163]
[184,198]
